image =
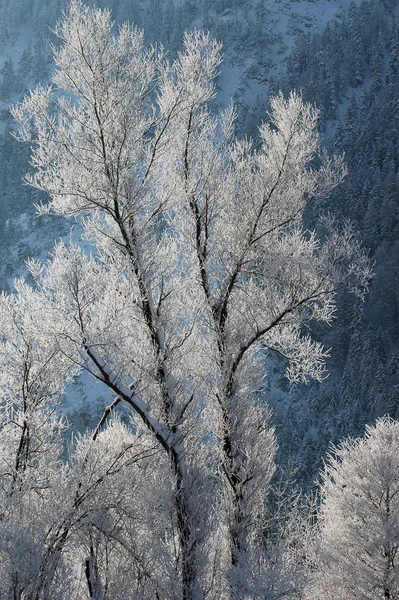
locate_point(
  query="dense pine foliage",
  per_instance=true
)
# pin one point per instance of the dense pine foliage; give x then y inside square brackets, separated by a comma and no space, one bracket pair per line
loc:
[350,71]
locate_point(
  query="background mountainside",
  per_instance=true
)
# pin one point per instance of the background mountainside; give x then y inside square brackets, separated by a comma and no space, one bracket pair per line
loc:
[344,57]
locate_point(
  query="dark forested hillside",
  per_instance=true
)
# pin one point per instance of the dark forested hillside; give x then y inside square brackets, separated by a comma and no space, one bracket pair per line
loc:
[345,61]
[350,71]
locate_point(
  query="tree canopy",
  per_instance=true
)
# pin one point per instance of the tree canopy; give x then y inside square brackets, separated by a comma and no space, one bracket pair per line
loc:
[196,267]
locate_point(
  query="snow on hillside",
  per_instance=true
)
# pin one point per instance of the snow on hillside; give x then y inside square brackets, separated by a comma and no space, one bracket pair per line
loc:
[244,77]
[285,20]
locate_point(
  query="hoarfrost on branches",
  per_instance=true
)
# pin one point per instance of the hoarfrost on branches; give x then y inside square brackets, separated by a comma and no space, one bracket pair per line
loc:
[200,266]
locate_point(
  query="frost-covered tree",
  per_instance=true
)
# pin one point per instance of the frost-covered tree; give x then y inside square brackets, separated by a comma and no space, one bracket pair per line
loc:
[106,131]
[356,554]
[31,473]
[54,515]
[200,266]
[262,277]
